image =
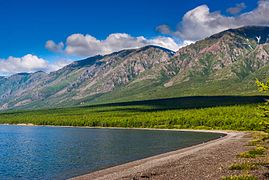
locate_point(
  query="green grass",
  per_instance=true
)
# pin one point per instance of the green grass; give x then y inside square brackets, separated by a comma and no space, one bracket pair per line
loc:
[254,142]
[241,177]
[150,89]
[243,166]
[194,113]
[259,139]
[258,151]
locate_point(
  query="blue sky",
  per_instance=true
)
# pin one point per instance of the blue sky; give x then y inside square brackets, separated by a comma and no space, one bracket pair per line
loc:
[26,26]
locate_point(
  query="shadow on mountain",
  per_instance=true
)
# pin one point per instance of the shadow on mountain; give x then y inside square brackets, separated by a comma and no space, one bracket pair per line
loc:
[193,102]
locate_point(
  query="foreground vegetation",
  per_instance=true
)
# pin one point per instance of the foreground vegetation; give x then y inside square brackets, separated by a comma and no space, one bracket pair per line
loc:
[252,164]
[233,113]
[242,177]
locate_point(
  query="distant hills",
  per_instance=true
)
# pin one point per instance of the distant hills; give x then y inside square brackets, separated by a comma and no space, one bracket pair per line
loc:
[226,63]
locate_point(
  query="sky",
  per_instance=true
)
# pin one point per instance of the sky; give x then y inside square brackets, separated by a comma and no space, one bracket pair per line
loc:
[48,34]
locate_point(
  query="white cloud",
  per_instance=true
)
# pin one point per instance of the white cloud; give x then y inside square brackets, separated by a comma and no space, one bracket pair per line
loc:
[52,46]
[237,9]
[165,29]
[199,23]
[56,65]
[169,43]
[87,45]
[28,63]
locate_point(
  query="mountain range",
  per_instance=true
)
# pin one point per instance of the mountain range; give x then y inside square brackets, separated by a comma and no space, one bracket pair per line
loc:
[226,63]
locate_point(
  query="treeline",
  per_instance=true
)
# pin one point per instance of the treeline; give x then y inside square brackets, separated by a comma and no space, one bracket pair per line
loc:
[236,117]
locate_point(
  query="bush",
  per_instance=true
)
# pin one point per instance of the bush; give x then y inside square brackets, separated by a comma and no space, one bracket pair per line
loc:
[243,166]
[258,151]
[242,177]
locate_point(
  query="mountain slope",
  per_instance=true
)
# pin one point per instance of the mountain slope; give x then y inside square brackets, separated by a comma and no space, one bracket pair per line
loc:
[89,77]
[230,54]
[226,63]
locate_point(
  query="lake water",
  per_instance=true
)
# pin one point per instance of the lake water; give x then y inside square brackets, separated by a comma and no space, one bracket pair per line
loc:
[60,153]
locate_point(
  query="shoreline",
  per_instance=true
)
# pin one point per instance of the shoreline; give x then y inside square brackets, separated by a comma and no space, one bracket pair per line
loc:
[127,128]
[146,165]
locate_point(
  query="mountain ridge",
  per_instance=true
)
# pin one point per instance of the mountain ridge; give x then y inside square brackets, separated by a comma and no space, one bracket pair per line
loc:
[237,56]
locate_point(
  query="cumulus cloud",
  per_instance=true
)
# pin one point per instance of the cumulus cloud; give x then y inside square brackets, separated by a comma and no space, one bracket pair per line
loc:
[165,29]
[52,46]
[237,9]
[87,45]
[56,65]
[199,23]
[28,63]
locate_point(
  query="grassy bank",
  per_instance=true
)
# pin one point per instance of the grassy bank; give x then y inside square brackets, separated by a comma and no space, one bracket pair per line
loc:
[234,113]
[251,164]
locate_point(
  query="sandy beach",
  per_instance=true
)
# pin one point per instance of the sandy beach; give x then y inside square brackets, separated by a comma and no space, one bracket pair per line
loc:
[204,161]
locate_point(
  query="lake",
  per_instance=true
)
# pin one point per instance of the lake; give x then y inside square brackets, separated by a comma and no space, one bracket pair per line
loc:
[39,152]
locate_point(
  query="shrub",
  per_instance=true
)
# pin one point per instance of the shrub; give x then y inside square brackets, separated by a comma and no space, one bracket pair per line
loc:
[242,177]
[259,150]
[243,166]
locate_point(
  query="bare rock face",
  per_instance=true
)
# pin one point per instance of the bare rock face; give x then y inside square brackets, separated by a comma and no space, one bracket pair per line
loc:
[234,54]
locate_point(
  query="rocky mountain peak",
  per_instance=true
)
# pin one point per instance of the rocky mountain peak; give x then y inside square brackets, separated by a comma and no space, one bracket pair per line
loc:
[260,34]
[156,48]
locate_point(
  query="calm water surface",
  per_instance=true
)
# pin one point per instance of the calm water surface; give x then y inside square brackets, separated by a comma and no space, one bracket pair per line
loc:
[60,153]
